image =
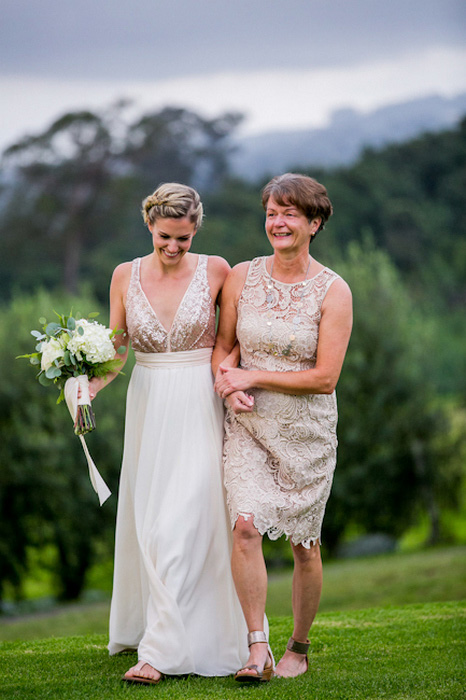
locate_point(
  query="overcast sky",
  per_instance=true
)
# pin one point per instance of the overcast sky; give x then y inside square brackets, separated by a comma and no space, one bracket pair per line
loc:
[283,63]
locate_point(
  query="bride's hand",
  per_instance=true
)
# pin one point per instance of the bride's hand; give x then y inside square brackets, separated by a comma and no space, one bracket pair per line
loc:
[240,402]
[95,385]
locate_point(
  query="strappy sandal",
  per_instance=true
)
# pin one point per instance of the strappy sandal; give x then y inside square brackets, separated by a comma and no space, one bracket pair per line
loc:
[298,648]
[258,676]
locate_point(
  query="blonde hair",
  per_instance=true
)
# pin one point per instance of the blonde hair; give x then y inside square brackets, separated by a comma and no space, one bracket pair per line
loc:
[171,200]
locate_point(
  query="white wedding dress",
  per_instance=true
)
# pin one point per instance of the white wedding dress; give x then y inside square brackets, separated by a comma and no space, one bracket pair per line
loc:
[173,594]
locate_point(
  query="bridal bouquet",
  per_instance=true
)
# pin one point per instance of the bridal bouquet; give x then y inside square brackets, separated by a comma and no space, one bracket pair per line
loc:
[68,353]
[75,348]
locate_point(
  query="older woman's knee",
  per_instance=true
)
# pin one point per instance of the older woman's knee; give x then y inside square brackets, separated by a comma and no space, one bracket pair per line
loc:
[245,530]
[305,555]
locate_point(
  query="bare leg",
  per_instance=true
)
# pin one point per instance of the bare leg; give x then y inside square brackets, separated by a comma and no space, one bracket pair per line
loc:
[143,670]
[307,587]
[250,577]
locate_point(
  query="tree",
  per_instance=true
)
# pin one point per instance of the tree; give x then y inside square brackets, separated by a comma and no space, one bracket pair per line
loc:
[46,498]
[410,197]
[178,145]
[389,465]
[73,193]
[65,172]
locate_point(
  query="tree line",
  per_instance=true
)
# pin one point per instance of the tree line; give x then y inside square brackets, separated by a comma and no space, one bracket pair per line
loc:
[70,200]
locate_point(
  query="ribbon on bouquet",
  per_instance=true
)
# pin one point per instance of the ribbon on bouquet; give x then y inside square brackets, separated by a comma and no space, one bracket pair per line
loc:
[72,385]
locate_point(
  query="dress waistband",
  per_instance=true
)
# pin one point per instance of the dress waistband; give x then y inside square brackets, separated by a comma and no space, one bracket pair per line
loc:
[185,358]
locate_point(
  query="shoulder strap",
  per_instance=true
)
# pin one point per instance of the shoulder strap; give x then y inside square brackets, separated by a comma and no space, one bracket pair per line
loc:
[254,267]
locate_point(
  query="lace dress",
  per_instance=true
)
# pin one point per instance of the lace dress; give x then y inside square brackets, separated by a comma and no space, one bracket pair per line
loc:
[279,460]
[173,594]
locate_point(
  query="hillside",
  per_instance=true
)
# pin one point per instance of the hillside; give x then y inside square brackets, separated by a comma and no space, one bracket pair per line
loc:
[341,142]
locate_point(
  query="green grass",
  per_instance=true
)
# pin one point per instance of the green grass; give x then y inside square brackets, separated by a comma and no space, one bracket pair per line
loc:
[391,579]
[432,575]
[414,652]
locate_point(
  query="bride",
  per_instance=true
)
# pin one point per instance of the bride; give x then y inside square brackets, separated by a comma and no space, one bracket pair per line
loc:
[173,595]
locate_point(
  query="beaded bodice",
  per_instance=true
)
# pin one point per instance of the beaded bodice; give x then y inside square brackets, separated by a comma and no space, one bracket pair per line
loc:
[267,331]
[193,326]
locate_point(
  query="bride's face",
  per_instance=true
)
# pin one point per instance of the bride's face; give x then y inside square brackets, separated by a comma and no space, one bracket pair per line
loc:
[172,239]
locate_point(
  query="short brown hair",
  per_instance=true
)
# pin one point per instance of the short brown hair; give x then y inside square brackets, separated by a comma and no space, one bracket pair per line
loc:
[301,191]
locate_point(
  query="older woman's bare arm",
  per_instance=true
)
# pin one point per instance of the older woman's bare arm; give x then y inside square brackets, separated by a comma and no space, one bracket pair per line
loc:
[334,334]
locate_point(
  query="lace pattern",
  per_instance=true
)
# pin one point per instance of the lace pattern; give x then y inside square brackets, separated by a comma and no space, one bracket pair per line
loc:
[279,460]
[193,326]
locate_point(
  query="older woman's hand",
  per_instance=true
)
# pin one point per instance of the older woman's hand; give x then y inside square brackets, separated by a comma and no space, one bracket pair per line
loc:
[229,379]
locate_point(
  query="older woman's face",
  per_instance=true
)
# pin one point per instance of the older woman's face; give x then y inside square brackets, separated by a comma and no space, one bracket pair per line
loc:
[287,227]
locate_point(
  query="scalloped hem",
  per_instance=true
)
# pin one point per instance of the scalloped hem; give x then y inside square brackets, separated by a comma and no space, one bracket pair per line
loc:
[274,533]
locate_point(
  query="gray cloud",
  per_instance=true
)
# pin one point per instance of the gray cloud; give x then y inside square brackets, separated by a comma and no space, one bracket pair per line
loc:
[160,39]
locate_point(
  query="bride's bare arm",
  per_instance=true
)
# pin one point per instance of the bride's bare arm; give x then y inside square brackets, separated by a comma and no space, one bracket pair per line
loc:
[226,351]
[118,288]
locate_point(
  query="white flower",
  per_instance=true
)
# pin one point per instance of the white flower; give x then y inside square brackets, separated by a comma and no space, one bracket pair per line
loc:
[51,350]
[95,342]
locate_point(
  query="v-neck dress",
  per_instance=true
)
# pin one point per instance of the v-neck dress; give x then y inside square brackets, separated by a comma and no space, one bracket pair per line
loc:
[173,594]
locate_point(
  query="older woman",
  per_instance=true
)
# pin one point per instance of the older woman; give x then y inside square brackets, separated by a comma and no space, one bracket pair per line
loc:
[174,598]
[292,318]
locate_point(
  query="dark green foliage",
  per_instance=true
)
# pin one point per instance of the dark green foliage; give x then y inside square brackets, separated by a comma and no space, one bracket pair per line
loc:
[70,201]
[388,466]
[45,493]
[74,193]
[410,197]
[234,224]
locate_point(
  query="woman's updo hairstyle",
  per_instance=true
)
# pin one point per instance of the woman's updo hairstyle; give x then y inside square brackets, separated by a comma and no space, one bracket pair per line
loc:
[173,201]
[302,192]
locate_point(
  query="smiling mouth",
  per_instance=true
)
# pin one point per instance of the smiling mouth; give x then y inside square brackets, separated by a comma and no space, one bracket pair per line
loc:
[170,255]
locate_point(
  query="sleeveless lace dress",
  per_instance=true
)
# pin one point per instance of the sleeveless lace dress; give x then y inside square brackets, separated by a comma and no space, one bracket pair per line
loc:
[279,460]
[173,593]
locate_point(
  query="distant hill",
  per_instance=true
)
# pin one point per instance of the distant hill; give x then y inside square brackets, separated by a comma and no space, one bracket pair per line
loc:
[348,133]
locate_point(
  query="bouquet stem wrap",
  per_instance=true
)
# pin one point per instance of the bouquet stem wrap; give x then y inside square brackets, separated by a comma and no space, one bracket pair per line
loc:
[71,397]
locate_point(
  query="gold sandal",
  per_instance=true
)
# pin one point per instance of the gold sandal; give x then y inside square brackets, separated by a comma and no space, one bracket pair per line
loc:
[258,676]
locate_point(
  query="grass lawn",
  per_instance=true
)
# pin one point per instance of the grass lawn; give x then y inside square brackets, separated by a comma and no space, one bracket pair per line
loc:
[393,579]
[428,576]
[414,652]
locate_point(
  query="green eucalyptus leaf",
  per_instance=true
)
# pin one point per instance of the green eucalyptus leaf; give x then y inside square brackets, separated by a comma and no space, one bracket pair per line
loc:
[34,361]
[71,324]
[38,347]
[121,350]
[53,372]
[52,328]
[44,380]
[67,357]
[80,330]
[42,321]
[94,314]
